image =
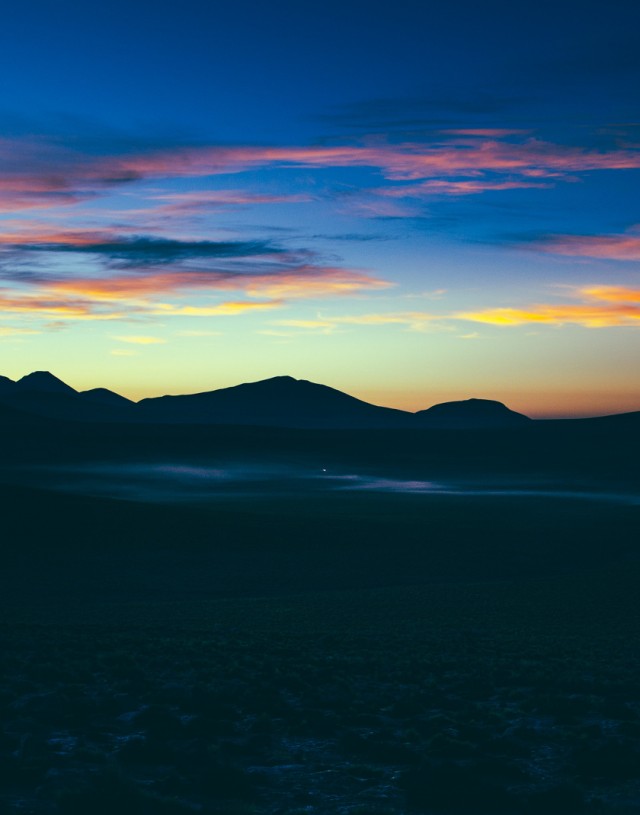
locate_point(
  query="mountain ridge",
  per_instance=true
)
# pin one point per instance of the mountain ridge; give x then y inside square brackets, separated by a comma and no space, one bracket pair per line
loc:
[280,401]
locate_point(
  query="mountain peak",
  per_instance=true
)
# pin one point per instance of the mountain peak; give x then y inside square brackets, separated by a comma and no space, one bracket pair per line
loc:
[105,396]
[43,381]
[472,412]
[275,380]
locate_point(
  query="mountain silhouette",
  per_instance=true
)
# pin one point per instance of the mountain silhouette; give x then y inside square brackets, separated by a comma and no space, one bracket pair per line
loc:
[42,382]
[105,396]
[43,394]
[471,413]
[281,401]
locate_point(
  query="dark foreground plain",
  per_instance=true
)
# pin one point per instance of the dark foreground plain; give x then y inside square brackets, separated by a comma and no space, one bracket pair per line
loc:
[313,649]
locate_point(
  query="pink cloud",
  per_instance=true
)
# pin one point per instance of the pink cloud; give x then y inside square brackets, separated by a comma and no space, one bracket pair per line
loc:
[395,161]
[301,282]
[38,168]
[176,204]
[608,247]
[486,132]
[439,187]
[34,233]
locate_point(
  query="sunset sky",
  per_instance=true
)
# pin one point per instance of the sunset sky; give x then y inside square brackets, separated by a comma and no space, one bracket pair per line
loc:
[411,201]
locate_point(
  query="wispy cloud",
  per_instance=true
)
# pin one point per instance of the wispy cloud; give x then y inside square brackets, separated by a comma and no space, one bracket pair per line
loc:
[145,295]
[197,200]
[197,333]
[625,246]
[599,307]
[312,324]
[458,155]
[59,307]
[37,172]
[142,276]
[410,320]
[302,282]
[612,294]
[137,339]
[134,250]
[9,331]
[591,307]
[438,187]
[227,309]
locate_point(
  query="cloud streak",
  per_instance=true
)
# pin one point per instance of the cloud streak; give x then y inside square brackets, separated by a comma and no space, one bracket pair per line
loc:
[434,188]
[597,307]
[625,247]
[410,320]
[152,251]
[138,339]
[40,173]
[137,277]
[601,307]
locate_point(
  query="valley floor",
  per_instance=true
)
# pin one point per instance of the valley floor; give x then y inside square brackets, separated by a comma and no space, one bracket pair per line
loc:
[319,653]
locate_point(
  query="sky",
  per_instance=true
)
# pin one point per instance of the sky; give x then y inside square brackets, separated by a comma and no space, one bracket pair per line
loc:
[412,202]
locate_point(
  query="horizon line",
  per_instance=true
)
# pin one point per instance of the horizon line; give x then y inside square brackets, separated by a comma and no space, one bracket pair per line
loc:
[534,417]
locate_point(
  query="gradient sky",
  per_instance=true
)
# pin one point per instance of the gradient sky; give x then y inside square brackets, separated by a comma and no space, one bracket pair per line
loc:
[412,202]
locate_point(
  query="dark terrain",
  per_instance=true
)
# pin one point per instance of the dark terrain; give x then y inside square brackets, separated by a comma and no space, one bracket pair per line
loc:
[278,641]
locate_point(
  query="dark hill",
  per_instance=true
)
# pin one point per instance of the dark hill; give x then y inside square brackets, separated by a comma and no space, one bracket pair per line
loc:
[105,396]
[43,394]
[42,382]
[281,401]
[278,402]
[470,413]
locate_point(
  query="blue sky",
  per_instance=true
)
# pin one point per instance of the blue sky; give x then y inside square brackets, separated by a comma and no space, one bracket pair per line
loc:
[412,202]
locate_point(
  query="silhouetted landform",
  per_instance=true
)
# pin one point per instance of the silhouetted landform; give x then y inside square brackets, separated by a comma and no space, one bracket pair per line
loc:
[42,382]
[281,401]
[471,412]
[105,396]
[43,394]
[55,428]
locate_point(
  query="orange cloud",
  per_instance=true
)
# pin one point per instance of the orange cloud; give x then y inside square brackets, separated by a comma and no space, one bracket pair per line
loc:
[33,233]
[227,309]
[145,293]
[300,282]
[614,294]
[60,307]
[606,307]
